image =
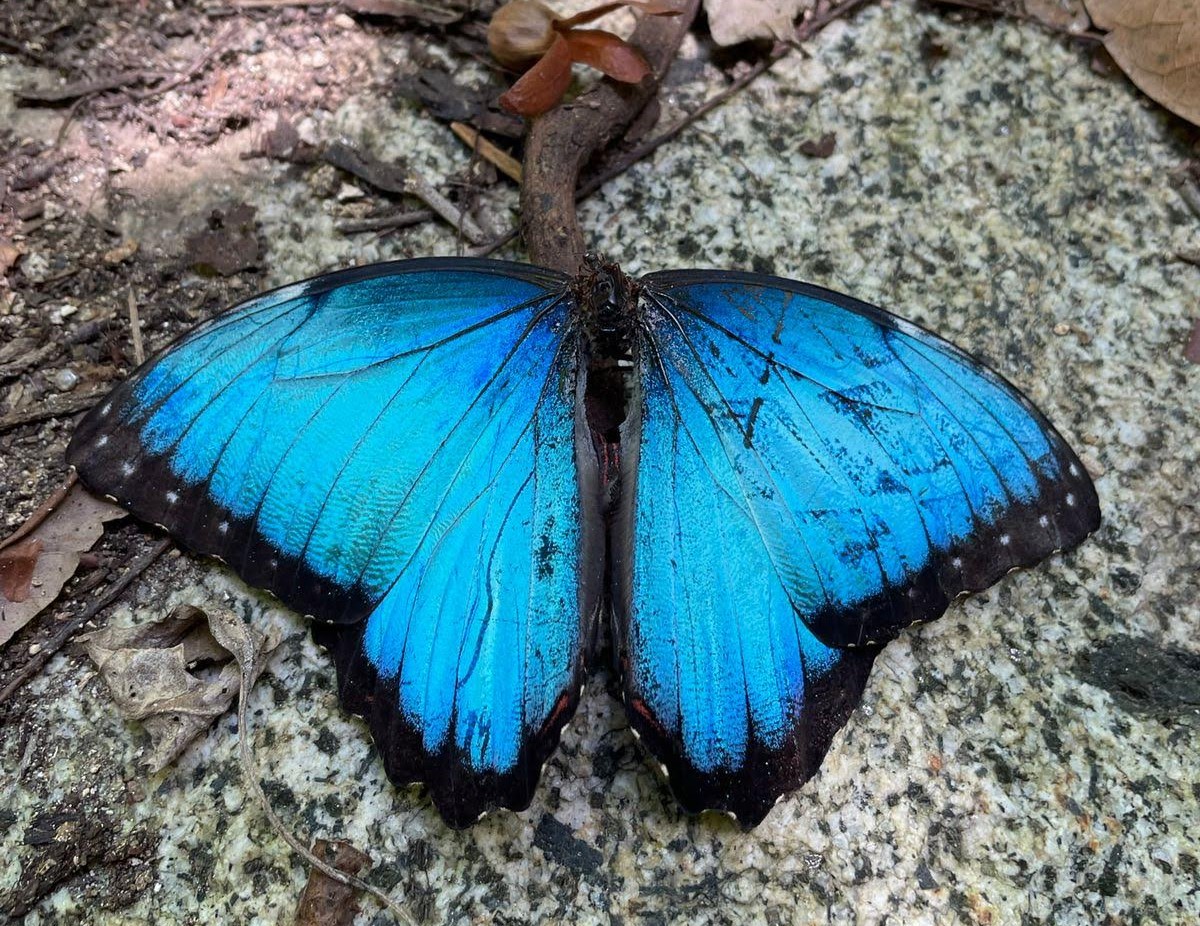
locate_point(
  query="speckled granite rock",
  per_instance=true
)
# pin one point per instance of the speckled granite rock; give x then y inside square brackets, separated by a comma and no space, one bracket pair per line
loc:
[1003,767]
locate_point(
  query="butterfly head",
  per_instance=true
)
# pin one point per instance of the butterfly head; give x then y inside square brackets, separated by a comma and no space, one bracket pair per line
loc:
[607,300]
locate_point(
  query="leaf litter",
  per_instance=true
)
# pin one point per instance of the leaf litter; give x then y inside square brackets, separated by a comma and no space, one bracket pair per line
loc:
[326,902]
[39,558]
[733,21]
[176,674]
[1157,44]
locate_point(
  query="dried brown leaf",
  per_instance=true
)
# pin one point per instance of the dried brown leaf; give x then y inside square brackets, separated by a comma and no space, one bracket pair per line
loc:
[17,564]
[1157,44]
[822,147]
[326,902]
[733,21]
[151,671]
[542,85]
[228,245]
[70,529]
[608,54]
[280,140]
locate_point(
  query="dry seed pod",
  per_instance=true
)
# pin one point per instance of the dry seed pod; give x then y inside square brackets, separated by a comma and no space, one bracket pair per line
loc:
[520,32]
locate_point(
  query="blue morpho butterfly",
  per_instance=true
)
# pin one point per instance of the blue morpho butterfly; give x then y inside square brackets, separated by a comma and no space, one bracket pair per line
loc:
[462,467]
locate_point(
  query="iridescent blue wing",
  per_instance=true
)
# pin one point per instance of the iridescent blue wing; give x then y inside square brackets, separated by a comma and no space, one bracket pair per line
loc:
[813,474]
[392,450]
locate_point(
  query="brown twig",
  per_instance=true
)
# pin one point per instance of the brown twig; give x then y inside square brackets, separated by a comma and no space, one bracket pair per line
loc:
[80,89]
[563,140]
[497,157]
[384,222]
[393,179]
[43,511]
[247,663]
[135,329]
[66,123]
[72,627]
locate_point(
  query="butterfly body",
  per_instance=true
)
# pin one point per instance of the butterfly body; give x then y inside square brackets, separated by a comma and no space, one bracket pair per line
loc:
[463,469]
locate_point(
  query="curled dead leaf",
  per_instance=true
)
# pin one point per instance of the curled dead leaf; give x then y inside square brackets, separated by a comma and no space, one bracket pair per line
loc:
[733,21]
[1157,44]
[17,565]
[544,84]
[42,556]
[175,674]
[608,54]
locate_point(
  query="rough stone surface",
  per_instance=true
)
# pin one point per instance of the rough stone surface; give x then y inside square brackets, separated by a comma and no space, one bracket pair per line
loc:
[1002,768]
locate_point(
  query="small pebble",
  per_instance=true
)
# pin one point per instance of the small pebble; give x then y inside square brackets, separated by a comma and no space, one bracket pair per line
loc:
[65,380]
[59,312]
[35,267]
[123,251]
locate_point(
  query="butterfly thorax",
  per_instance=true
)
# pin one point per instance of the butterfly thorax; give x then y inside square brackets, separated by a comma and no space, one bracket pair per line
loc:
[607,301]
[607,305]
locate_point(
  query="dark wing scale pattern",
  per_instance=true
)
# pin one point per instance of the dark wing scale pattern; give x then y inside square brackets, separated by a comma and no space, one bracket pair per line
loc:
[811,474]
[347,441]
